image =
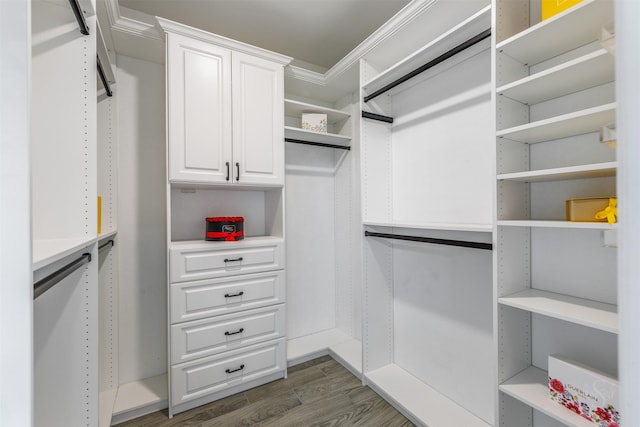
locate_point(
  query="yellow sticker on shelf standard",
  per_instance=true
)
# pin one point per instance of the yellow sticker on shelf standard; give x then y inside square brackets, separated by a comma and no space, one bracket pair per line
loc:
[553,7]
[610,212]
[99,214]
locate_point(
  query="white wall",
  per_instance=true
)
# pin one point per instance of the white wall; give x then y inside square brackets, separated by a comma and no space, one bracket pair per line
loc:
[16,372]
[141,219]
[628,95]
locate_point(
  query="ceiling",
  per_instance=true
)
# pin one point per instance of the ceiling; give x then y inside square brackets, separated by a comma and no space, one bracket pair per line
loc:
[318,32]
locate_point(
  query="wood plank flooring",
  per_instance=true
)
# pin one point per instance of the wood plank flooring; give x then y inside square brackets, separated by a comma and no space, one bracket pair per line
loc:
[316,393]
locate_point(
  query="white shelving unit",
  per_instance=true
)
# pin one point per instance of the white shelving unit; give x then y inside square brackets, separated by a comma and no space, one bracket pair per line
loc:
[407,290]
[531,387]
[336,120]
[555,91]
[64,181]
[324,310]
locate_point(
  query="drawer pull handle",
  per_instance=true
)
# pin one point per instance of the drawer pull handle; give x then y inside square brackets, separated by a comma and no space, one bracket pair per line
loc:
[232,260]
[227,171]
[239,331]
[238,170]
[239,294]
[230,371]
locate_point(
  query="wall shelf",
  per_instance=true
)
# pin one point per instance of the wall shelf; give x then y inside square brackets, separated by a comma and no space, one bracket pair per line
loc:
[593,69]
[550,38]
[581,311]
[48,251]
[530,386]
[557,224]
[575,123]
[466,29]
[484,228]
[558,174]
[319,137]
[417,400]
[294,108]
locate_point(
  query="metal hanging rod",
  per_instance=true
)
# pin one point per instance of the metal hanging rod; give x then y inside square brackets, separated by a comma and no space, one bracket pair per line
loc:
[84,28]
[106,244]
[379,117]
[103,78]
[43,285]
[462,243]
[462,46]
[318,144]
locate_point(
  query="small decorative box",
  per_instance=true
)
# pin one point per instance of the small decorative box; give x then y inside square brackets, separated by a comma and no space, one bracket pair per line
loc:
[591,394]
[314,122]
[591,209]
[553,7]
[225,228]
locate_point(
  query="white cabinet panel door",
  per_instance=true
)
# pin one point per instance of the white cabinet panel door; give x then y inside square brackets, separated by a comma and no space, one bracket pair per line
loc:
[258,121]
[199,99]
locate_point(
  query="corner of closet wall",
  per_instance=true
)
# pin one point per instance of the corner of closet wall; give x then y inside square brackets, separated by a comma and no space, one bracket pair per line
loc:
[426,153]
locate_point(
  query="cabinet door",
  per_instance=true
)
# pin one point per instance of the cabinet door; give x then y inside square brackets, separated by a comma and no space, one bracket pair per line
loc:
[258,121]
[199,118]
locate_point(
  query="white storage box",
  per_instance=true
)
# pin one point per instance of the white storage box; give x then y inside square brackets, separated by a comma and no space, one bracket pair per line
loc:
[589,393]
[314,122]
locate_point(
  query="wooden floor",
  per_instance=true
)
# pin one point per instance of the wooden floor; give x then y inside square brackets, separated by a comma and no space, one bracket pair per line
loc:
[316,393]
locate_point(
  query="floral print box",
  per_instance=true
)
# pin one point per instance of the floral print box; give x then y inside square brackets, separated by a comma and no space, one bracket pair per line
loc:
[591,394]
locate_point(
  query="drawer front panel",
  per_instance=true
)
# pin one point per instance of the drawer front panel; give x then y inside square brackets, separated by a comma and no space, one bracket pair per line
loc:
[198,300]
[202,377]
[206,263]
[202,338]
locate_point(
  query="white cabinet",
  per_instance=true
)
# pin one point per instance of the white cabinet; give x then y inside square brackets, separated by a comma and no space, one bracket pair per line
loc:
[225,118]
[225,114]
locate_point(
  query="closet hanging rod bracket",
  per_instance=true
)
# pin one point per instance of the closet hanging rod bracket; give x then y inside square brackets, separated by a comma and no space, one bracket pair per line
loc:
[378,117]
[109,242]
[77,11]
[103,78]
[448,242]
[448,54]
[318,144]
[43,285]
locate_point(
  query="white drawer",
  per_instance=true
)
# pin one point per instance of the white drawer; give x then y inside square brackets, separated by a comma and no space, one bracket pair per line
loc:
[205,260]
[207,337]
[206,298]
[202,377]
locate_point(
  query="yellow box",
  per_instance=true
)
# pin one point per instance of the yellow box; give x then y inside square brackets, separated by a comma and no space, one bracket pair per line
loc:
[553,7]
[584,210]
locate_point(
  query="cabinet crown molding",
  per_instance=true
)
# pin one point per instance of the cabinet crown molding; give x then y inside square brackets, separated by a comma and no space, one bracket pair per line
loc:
[195,33]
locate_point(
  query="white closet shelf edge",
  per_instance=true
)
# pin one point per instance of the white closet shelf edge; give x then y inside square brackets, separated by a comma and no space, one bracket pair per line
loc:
[557,224]
[137,398]
[418,401]
[48,251]
[483,228]
[324,138]
[531,387]
[550,37]
[557,174]
[581,311]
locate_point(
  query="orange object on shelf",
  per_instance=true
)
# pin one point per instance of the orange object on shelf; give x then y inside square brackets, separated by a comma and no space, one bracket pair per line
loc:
[553,7]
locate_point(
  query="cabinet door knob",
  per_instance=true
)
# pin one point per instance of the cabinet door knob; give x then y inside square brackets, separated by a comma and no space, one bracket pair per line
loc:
[227,171]
[239,331]
[238,171]
[229,371]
